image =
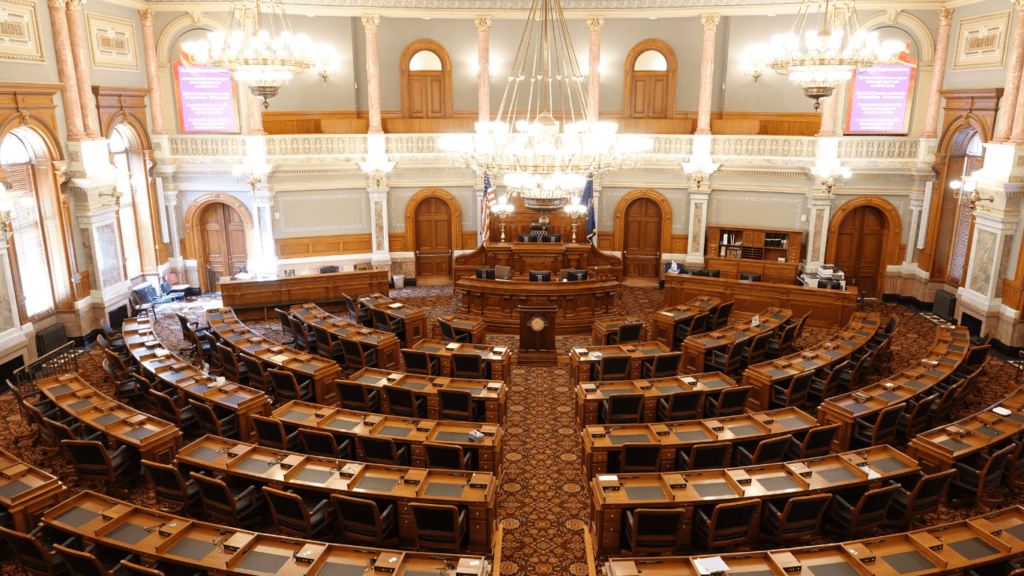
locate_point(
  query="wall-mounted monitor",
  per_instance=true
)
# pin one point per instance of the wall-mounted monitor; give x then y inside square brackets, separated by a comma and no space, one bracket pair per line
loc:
[205,99]
[880,98]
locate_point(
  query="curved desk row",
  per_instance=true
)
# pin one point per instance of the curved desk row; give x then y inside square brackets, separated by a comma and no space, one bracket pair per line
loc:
[664,321]
[26,491]
[414,433]
[155,439]
[589,395]
[257,297]
[218,549]
[385,343]
[490,394]
[952,548]
[612,494]
[579,303]
[305,366]
[498,357]
[699,347]
[288,471]
[761,377]
[168,370]
[603,444]
[581,359]
[946,354]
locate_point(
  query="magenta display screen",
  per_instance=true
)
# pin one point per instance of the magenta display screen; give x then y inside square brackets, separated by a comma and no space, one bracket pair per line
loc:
[206,99]
[880,99]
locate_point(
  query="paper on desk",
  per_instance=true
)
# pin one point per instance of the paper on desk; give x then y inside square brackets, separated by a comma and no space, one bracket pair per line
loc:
[1001,411]
[872,474]
[711,565]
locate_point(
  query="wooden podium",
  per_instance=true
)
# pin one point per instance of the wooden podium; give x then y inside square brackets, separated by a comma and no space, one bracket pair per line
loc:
[537,333]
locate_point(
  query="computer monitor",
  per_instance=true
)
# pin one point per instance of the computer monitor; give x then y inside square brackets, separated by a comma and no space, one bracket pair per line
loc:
[577,275]
[553,238]
[714,273]
[524,238]
[540,276]
[485,273]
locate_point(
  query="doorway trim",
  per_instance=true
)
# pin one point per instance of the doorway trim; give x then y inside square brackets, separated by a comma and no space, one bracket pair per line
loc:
[192,228]
[620,217]
[446,74]
[891,238]
[627,81]
[453,207]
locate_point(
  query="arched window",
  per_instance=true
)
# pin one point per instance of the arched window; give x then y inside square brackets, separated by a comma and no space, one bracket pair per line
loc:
[31,263]
[134,216]
[426,80]
[649,89]
[973,157]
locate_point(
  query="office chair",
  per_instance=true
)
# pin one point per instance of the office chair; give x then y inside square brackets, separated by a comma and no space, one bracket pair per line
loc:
[238,504]
[258,377]
[448,334]
[382,451]
[439,527]
[639,458]
[973,482]
[94,560]
[881,431]
[305,340]
[458,405]
[795,394]
[417,362]
[358,314]
[35,553]
[286,387]
[704,456]
[783,344]
[357,357]
[271,433]
[729,403]
[727,525]
[232,369]
[686,328]
[94,462]
[523,238]
[485,273]
[402,402]
[448,456]
[728,362]
[185,417]
[917,495]
[744,277]
[160,568]
[918,419]
[610,368]
[622,409]
[286,326]
[327,346]
[224,425]
[540,276]
[811,444]
[319,443]
[355,396]
[756,352]
[626,333]
[768,451]
[294,517]
[469,365]
[385,323]
[799,520]
[172,491]
[362,521]
[722,315]
[651,531]
[866,515]
[825,384]
[686,405]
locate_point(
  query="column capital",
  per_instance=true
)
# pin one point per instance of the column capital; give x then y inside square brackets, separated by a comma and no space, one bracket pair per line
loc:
[145,17]
[1019,4]
[710,21]
[595,23]
[946,14]
[58,3]
[371,21]
[483,23]
[74,4]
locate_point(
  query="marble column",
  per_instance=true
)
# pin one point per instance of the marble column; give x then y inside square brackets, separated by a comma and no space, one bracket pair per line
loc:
[1004,123]
[828,115]
[990,251]
[820,206]
[594,79]
[254,107]
[79,51]
[66,70]
[699,200]
[377,188]
[483,75]
[916,206]
[931,119]
[156,102]
[262,206]
[707,69]
[370,24]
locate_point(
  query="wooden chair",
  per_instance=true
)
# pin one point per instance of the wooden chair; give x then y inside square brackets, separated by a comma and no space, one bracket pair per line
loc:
[686,405]
[215,360]
[768,451]
[402,402]
[704,456]
[728,362]
[866,515]
[236,504]
[359,315]
[271,433]
[851,376]
[784,344]
[286,326]
[94,462]
[357,357]
[258,377]
[286,387]
[795,394]
[384,323]
[382,451]
[639,458]
[447,456]
[439,527]
[327,346]
[458,405]
[825,384]
[918,419]
[652,531]
[35,554]
[811,444]
[184,417]
[626,333]
[727,525]
[159,569]
[755,353]
[224,425]
[320,443]
[622,409]
[417,362]
[292,516]
[610,368]
[917,495]
[448,333]
[729,403]
[470,366]
[362,522]
[881,431]
[722,315]
[973,482]
[172,491]
[799,520]
[232,369]
[304,338]
[356,396]
[94,560]
[686,328]
[661,366]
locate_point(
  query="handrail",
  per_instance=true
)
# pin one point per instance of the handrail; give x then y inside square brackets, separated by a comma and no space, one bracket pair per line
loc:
[59,361]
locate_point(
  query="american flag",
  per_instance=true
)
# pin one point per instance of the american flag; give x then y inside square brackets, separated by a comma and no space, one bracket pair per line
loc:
[489,200]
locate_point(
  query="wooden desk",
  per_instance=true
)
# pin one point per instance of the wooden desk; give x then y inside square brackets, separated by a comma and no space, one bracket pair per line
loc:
[156,536]
[580,362]
[678,490]
[413,433]
[941,447]
[26,491]
[999,533]
[386,344]
[490,394]
[946,354]
[602,444]
[522,257]
[287,470]
[761,377]
[497,302]
[475,327]
[828,308]
[605,326]
[258,298]
[499,357]
[589,395]
[239,337]
[698,348]
[664,321]
[153,438]
[415,320]
[167,370]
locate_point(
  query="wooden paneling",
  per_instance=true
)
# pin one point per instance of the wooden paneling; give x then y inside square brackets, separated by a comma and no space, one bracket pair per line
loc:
[427,125]
[275,123]
[525,256]
[680,244]
[313,246]
[285,290]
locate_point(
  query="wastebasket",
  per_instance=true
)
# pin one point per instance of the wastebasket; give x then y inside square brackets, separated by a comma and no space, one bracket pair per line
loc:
[399,281]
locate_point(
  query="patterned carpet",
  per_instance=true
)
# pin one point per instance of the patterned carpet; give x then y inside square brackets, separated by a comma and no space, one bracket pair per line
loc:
[543,500]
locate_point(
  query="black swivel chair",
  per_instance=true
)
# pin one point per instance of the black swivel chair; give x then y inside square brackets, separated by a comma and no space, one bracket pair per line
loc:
[653,531]
[224,424]
[272,434]
[768,451]
[385,323]
[811,444]
[402,402]
[448,334]
[448,456]
[320,443]
[725,525]
[469,365]
[622,409]
[238,504]
[626,333]
[686,405]
[458,405]
[294,516]
[799,518]
[610,368]
[355,396]
[704,456]
[362,522]
[417,362]
[173,492]
[287,388]
[94,462]
[918,495]
[439,527]
[729,403]
[382,451]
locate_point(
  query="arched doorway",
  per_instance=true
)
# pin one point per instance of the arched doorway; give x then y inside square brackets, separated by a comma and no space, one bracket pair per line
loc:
[649,89]
[433,229]
[426,80]
[966,155]
[218,231]
[863,239]
[643,227]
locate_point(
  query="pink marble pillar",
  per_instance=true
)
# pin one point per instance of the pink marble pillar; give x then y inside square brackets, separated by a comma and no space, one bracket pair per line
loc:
[66,70]
[828,115]
[931,118]
[156,102]
[370,24]
[1004,123]
[707,69]
[594,79]
[483,78]
[254,106]
[76,35]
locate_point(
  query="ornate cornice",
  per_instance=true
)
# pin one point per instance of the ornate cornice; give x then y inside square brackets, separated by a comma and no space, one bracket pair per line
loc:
[595,23]
[371,22]
[710,21]
[146,17]
[483,23]
[946,14]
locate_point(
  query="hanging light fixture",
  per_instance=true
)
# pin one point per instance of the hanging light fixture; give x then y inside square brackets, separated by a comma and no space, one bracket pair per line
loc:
[824,50]
[543,154]
[260,48]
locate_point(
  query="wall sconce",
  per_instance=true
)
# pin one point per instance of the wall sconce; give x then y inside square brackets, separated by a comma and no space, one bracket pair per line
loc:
[966,191]
[699,172]
[754,66]
[575,210]
[503,210]
[831,178]
[115,196]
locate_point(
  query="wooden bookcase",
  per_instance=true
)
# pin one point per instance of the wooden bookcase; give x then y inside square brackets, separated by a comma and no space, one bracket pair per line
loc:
[773,253]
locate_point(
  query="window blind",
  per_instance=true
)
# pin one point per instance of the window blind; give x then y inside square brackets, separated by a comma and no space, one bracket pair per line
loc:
[28,243]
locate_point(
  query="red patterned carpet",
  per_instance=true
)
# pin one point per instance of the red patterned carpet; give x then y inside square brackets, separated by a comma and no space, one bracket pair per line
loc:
[543,500]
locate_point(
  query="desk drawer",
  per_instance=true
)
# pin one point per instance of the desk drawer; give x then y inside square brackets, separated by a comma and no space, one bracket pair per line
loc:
[780,270]
[478,513]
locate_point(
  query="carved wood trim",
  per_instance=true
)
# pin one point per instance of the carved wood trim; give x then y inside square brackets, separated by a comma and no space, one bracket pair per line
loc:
[123,105]
[193,229]
[322,246]
[453,207]
[446,74]
[890,243]
[627,81]
[620,216]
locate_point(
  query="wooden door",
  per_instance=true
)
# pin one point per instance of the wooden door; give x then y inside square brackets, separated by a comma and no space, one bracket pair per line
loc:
[641,238]
[426,96]
[650,95]
[859,249]
[433,240]
[223,242]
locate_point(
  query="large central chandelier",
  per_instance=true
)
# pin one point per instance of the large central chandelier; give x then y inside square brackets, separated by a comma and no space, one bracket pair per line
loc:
[824,50]
[542,154]
[260,48]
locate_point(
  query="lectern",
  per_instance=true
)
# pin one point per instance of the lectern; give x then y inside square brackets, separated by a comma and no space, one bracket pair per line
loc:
[537,333]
